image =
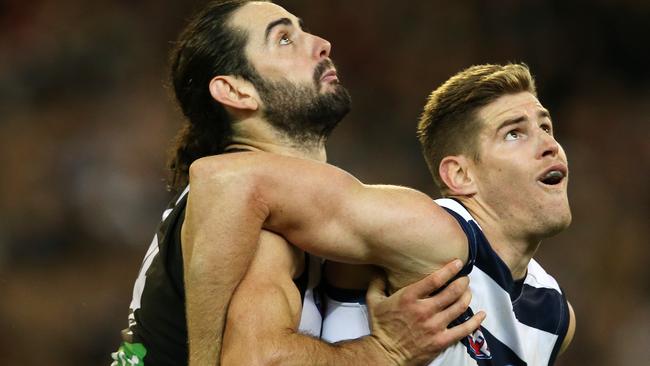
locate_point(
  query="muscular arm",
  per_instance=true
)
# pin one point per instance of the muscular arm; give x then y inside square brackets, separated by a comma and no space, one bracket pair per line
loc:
[264,315]
[328,212]
[262,323]
[219,240]
[315,206]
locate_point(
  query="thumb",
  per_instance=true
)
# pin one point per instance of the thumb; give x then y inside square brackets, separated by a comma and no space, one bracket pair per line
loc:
[376,290]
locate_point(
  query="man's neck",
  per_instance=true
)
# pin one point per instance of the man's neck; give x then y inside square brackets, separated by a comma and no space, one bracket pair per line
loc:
[258,135]
[513,247]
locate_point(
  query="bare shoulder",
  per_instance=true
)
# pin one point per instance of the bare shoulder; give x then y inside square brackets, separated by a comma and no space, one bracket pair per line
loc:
[257,161]
[215,166]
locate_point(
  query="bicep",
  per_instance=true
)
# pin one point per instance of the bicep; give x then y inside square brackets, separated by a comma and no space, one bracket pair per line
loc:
[265,306]
[339,218]
[404,231]
[326,211]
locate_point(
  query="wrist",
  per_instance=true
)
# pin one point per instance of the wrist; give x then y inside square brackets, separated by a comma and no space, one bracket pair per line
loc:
[384,354]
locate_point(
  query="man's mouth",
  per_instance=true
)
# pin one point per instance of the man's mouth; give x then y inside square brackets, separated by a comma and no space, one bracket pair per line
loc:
[329,76]
[325,72]
[554,175]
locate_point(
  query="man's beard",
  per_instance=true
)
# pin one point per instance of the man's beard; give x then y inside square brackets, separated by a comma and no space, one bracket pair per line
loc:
[301,112]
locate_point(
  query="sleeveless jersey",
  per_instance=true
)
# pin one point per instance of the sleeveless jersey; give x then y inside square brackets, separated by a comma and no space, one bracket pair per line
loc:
[526,321]
[157,331]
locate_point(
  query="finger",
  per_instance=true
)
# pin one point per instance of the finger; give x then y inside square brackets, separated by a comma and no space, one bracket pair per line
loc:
[449,295]
[437,279]
[376,290]
[461,331]
[456,309]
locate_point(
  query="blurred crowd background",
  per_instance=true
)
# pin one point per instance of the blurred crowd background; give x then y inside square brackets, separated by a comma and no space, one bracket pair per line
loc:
[86,118]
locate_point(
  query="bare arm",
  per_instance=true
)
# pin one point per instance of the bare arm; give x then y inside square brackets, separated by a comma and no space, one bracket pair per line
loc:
[262,322]
[315,206]
[265,311]
[219,239]
[326,211]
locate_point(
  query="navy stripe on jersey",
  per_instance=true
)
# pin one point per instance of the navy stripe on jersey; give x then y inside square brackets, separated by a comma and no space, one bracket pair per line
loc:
[541,308]
[343,294]
[492,265]
[472,240]
[564,324]
[534,298]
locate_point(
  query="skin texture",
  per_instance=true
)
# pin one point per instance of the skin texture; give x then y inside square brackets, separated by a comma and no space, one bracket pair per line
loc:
[506,196]
[340,218]
[503,190]
[217,248]
[407,327]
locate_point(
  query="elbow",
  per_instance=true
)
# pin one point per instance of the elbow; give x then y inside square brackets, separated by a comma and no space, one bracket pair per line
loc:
[220,169]
[229,177]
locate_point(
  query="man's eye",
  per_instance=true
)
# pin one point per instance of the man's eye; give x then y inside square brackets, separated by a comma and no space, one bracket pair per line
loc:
[547,129]
[285,40]
[512,135]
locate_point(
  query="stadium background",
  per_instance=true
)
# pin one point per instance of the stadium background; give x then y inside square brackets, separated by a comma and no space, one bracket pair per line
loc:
[85,122]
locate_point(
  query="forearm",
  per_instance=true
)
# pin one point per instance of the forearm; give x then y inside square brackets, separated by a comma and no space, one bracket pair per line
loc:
[298,349]
[219,239]
[208,293]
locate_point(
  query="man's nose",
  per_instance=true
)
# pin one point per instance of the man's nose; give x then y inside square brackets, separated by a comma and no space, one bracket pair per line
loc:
[322,48]
[548,145]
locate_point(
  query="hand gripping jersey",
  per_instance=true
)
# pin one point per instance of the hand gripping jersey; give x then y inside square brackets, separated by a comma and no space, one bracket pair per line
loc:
[526,320]
[157,332]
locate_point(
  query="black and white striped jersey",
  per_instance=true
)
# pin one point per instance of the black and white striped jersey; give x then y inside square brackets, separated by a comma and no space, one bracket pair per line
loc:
[157,331]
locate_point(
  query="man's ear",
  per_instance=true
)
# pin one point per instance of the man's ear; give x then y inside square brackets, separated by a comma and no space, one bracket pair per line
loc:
[457,173]
[234,93]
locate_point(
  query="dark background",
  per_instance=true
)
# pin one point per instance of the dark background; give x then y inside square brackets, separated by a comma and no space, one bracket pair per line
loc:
[85,121]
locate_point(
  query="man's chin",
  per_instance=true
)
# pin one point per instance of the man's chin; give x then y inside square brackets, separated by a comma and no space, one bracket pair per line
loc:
[330,87]
[559,223]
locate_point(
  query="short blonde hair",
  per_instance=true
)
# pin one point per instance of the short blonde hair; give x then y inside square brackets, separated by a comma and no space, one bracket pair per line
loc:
[449,124]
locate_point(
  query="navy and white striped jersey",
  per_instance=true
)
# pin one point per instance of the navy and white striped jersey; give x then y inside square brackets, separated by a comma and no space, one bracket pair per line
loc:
[526,323]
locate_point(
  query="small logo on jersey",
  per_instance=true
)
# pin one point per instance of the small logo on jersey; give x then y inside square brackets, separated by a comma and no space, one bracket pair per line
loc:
[478,345]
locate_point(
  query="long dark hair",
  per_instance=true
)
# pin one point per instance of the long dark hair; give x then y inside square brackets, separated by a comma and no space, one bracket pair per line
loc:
[207,47]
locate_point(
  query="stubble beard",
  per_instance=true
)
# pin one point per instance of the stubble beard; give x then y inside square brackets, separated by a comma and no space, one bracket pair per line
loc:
[302,113]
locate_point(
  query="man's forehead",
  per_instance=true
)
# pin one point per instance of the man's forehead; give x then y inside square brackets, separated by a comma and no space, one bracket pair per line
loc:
[256,15]
[511,105]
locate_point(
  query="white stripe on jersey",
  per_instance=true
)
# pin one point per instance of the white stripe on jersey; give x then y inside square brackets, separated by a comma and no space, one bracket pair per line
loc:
[138,287]
[532,345]
[344,320]
[537,277]
[166,213]
[180,198]
[457,208]
[487,295]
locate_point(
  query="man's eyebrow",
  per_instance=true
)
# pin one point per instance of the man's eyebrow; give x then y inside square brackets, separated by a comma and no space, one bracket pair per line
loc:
[544,113]
[275,23]
[511,121]
[301,24]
